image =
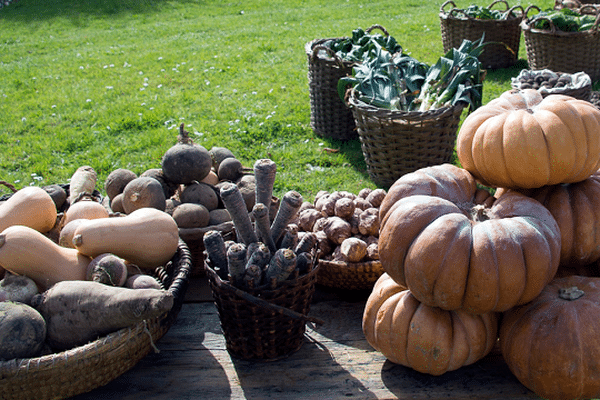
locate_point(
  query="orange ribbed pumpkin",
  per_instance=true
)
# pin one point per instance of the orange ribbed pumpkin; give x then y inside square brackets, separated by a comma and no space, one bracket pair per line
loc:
[576,208]
[426,339]
[522,140]
[552,344]
[455,254]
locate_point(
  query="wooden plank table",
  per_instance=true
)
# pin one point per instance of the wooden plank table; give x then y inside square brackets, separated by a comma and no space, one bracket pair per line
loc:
[335,362]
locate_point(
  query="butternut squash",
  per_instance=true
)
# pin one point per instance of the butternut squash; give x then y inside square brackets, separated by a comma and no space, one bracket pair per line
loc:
[31,206]
[25,251]
[147,237]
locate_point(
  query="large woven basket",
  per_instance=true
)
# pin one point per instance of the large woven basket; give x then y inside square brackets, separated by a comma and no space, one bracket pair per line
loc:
[82,369]
[395,143]
[329,116]
[503,35]
[267,324]
[567,52]
[349,276]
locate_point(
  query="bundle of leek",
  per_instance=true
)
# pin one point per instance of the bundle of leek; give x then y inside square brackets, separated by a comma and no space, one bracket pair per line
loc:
[400,82]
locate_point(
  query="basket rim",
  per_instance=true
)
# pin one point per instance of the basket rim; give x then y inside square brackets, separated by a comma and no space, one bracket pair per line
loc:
[449,14]
[379,112]
[73,360]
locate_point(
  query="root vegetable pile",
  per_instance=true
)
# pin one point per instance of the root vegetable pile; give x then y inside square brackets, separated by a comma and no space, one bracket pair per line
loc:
[346,225]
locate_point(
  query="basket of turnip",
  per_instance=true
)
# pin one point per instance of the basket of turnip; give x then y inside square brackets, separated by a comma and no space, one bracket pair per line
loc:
[407,112]
[85,294]
[347,229]
[263,283]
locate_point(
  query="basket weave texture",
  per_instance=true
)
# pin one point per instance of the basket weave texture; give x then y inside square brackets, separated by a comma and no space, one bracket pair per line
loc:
[567,52]
[329,116]
[267,324]
[504,34]
[395,143]
[82,369]
[349,276]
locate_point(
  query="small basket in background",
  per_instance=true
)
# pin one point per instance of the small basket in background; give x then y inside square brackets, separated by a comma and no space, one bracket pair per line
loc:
[264,324]
[395,143]
[349,276]
[503,35]
[579,84]
[568,52]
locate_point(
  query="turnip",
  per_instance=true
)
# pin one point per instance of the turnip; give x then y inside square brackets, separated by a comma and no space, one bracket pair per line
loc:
[142,281]
[185,161]
[15,287]
[22,331]
[117,180]
[143,192]
[108,269]
[77,312]
[230,169]
[218,154]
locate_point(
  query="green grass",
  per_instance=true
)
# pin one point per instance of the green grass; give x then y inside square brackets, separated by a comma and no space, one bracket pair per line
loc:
[107,82]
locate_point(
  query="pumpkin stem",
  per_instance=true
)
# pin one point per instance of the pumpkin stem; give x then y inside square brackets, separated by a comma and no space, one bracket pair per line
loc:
[479,213]
[572,293]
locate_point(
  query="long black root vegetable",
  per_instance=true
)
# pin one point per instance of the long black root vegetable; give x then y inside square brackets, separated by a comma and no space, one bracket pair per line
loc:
[290,204]
[214,245]
[235,204]
[264,173]
[281,266]
[236,260]
[263,226]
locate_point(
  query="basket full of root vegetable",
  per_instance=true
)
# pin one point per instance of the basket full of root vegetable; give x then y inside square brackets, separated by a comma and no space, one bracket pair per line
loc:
[85,293]
[263,283]
[347,229]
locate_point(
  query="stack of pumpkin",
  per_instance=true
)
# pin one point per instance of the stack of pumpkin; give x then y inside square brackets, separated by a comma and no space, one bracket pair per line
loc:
[464,267]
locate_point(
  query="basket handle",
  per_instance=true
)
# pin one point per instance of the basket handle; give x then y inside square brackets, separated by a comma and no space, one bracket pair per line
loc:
[531,7]
[596,11]
[499,1]
[8,185]
[512,9]
[381,28]
[330,53]
[446,3]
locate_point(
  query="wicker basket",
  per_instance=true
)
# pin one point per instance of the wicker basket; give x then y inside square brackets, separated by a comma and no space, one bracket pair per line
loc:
[267,324]
[82,369]
[568,52]
[349,276]
[329,116]
[583,92]
[395,143]
[504,35]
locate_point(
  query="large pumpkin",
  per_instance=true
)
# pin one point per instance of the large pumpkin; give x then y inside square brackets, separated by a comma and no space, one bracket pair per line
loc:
[522,140]
[453,253]
[426,339]
[552,344]
[576,209]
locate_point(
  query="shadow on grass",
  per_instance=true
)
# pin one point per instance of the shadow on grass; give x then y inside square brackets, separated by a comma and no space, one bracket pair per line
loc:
[40,10]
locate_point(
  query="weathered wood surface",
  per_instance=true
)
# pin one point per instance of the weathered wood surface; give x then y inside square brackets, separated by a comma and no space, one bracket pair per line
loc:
[334,362]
